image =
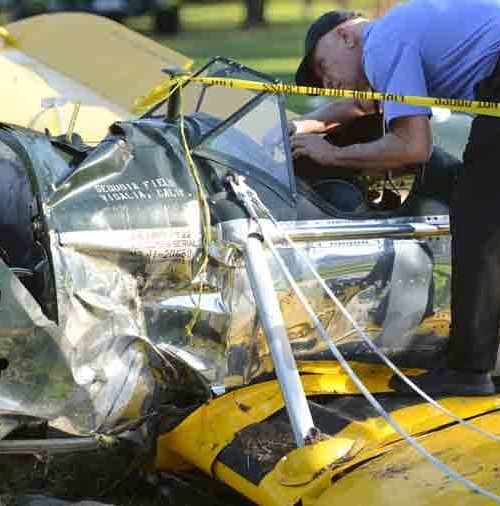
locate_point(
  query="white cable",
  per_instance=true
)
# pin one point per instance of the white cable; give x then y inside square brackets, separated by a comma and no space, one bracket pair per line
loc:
[371,344]
[362,388]
[345,365]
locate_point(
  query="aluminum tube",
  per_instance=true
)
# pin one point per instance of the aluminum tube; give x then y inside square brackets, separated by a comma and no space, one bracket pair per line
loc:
[269,312]
[55,445]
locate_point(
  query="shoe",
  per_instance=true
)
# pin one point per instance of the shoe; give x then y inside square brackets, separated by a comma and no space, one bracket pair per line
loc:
[444,382]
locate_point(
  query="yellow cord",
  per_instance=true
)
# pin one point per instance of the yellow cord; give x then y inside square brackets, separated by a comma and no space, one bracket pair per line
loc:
[205,212]
[7,37]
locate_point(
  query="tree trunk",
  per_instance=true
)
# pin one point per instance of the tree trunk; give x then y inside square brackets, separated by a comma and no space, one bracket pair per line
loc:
[255,13]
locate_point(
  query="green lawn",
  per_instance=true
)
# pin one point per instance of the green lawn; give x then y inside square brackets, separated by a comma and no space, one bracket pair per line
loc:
[214,29]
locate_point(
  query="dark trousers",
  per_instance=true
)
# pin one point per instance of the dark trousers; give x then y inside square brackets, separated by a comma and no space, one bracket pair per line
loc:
[475,228]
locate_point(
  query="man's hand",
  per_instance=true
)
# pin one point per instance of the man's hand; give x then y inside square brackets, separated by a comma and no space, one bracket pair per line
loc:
[314,147]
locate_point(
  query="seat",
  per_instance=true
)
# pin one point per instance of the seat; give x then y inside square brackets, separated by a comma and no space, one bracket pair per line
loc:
[341,188]
[432,190]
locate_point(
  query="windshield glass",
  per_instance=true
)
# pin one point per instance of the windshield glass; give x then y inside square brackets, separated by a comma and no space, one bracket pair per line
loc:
[240,125]
[241,128]
[219,101]
[246,138]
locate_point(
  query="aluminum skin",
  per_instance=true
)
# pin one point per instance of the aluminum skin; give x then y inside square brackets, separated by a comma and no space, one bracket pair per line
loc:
[119,242]
[119,319]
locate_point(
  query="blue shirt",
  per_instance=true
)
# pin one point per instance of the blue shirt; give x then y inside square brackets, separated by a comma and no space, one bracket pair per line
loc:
[436,48]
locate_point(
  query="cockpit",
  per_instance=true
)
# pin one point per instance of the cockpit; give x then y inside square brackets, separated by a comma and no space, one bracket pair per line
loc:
[231,129]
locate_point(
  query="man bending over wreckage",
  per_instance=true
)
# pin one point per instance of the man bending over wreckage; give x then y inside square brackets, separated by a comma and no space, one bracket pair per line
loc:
[438,48]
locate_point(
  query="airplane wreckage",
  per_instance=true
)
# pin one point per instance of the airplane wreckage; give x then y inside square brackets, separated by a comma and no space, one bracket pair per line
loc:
[169,279]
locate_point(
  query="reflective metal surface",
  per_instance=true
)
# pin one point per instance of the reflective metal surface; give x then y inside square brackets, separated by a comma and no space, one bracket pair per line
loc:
[269,313]
[95,324]
[121,232]
[396,288]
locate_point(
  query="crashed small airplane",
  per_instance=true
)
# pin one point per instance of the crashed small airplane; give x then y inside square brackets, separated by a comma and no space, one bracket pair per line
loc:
[171,276]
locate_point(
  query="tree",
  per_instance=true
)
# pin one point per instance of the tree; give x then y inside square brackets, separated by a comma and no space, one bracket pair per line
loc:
[255,13]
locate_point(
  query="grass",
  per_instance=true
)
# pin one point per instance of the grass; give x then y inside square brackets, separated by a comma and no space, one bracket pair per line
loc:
[214,29]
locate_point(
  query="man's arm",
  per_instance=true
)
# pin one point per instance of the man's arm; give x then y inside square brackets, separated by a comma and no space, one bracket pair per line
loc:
[408,142]
[326,118]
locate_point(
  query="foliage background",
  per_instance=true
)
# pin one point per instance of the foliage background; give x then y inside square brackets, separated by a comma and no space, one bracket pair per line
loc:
[216,28]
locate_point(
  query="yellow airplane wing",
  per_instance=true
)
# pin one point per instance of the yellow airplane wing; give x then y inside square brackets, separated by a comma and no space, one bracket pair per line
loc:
[51,62]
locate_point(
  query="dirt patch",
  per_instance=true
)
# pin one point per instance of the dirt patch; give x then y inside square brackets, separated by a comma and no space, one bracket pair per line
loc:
[316,436]
[389,471]
[266,442]
[113,476]
[101,475]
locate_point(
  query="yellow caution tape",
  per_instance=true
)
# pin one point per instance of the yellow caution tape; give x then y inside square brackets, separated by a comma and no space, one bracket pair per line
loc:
[159,93]
[162,91]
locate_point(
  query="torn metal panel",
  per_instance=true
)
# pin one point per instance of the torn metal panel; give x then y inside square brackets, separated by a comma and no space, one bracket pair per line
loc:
[38,380]
[118,237]
[124,233]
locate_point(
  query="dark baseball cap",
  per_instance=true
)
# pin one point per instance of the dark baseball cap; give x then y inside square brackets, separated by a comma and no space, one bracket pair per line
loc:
[328,21]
